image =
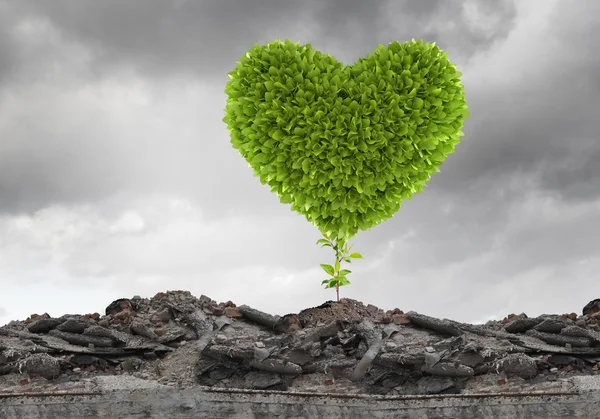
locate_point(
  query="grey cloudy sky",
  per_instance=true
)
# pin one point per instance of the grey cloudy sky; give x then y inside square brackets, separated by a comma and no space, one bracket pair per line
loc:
[117,177]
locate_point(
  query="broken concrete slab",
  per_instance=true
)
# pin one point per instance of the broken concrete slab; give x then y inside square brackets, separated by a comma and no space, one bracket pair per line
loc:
[431,323]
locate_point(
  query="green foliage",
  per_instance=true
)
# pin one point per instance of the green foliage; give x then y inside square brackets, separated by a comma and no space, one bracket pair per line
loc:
[344,145]
[342,253]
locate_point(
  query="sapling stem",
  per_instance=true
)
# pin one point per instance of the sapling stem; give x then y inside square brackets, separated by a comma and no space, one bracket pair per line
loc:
[338,275]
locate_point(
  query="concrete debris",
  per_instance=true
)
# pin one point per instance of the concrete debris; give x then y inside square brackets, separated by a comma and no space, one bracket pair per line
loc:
[176,339]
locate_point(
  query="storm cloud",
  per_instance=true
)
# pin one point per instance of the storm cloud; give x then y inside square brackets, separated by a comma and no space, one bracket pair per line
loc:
[117,176]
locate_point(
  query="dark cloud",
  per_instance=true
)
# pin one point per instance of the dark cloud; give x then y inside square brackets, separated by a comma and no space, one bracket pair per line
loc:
[100,99]
[164,38]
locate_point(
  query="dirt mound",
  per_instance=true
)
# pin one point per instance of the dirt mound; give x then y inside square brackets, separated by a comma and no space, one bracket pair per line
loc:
[345,310]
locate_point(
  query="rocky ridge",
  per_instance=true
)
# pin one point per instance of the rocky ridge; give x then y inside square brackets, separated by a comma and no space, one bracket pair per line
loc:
[176,339]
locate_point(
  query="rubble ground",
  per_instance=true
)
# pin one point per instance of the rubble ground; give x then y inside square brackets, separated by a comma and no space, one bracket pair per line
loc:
[176,339]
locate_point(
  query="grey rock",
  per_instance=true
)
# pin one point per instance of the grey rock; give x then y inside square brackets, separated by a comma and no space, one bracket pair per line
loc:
[560,340]
[441,326]
[42,365]
[521,325]
[591,307]
[142,329]
[299,356]
[259,317]
[164,315]
[434,385]
[262,380]
[260,354]
[44,325]
[470,359]
[432,358]
[315,334]
[575,331]
[7,369]
[448,369]
[277,366]
[328,365]
[83,340]
[172,333]
[519,365]
[73,326]
[118,338]
[224,352]
[391,379]
[367,360]
[221,322]
[551,326]
[407,360]
[82,359]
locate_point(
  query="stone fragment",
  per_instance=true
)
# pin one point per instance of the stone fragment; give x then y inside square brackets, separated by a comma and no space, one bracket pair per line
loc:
[512,317]
[448,369]
[221,322]
[43,325]
[559,340]
[73,326]
[205,299]
[35,317]
[141,329]
[372,309]
[259,317]
[575,331]
[592,307]
[470,359]
[170,333]
[392,360]
[519,365]
[434,385]
[289,323]
[432,358]
[315,334]
[441,326]
[223,352]
[85,360]
[551,326]
[117,306]
[391,379]
[262,380]
[277,366]
[215,310]
[42,365]
[521,325]
[299,356]
[118,338]
[92,316]
[367,360]
[401,319]
[233,312]
[82,340]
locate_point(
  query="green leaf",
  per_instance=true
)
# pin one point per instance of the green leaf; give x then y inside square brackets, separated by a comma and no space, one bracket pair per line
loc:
[344,272]
[356,255]
[344,281]
[332,283]
[337,265]
[323,242]
[328,269]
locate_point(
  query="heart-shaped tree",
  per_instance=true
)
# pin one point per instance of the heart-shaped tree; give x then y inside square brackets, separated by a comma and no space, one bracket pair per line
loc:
[344,145]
